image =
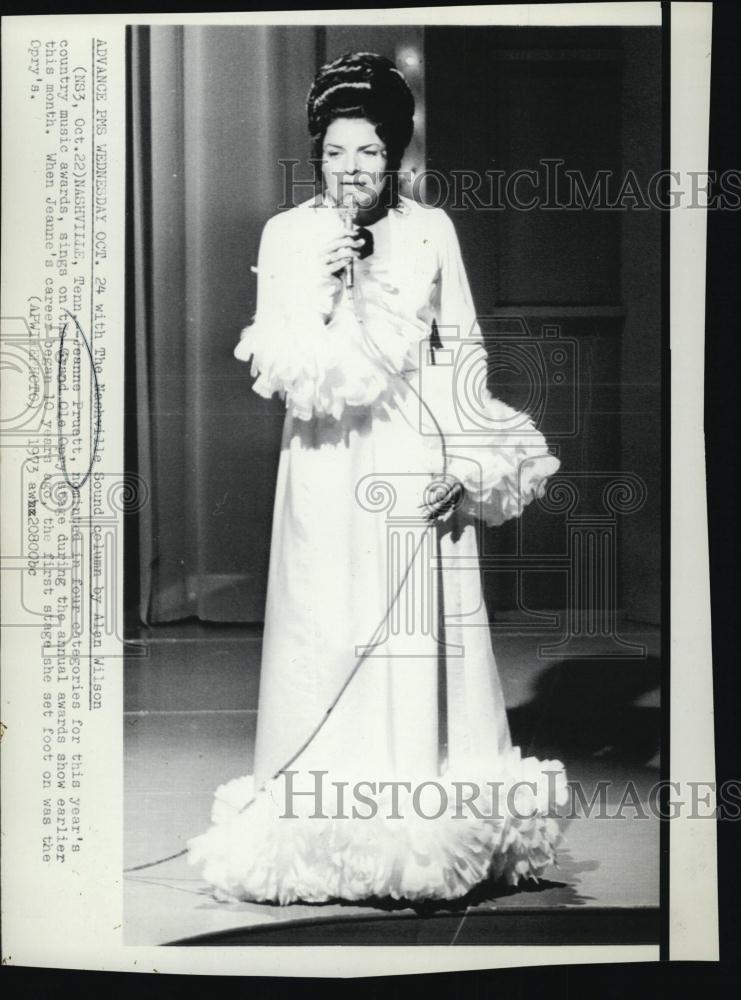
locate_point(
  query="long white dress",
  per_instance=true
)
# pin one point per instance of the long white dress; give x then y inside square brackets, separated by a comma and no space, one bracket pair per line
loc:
[360,581]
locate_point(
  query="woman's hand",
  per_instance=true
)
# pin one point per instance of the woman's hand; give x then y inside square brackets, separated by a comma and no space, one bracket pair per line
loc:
[442,497]
[335,255]
[330,262]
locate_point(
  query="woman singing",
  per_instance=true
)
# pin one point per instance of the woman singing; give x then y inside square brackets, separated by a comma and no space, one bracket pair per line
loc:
[383,763]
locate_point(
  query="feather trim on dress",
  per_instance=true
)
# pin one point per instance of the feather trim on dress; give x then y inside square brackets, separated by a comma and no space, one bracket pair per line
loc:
[279,850]
[320,368]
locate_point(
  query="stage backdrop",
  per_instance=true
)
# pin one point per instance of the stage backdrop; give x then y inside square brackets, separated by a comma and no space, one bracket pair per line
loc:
[213,111]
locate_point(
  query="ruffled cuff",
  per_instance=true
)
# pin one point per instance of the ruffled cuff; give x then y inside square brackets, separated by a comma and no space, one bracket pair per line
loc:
[503,466]
[321,367]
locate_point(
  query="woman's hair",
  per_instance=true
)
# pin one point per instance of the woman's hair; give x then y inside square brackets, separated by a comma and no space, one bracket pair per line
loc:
[363,85]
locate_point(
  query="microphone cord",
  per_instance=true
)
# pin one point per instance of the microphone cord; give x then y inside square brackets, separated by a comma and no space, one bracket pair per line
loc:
[391,370]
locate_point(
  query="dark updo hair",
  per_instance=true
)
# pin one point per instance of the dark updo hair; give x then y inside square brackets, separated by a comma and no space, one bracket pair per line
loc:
[362,85]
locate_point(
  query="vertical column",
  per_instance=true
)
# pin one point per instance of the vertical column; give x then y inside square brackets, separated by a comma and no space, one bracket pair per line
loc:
[593,540]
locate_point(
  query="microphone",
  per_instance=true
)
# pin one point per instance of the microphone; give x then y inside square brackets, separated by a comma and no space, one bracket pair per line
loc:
[349,213]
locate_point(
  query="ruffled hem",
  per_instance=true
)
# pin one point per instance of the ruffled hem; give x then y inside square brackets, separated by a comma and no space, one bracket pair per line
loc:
[408,850]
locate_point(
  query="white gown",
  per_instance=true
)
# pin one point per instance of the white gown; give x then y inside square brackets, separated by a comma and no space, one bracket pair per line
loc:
[359,448]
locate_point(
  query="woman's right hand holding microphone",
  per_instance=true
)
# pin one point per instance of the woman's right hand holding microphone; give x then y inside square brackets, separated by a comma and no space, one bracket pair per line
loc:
[332,258]
[339,251]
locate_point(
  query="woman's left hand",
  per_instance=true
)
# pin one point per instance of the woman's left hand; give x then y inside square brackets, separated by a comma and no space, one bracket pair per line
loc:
[442,497]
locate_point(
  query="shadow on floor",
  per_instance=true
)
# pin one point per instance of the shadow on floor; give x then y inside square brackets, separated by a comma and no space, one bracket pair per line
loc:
[587,708]
[485,892]
[468,925]
[489,891]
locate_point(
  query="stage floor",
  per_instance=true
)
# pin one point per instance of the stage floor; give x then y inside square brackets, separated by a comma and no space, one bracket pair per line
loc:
[601,721]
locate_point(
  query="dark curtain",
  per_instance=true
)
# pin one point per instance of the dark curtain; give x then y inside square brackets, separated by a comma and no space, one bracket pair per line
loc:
[213,112]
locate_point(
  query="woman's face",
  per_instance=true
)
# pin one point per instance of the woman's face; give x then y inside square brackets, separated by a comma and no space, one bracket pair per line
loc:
[354,162]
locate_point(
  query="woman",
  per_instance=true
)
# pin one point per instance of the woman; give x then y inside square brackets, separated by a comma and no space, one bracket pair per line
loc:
[383,762]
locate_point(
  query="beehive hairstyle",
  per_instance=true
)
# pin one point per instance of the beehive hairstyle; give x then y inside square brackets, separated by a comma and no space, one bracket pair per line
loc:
[362,85]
